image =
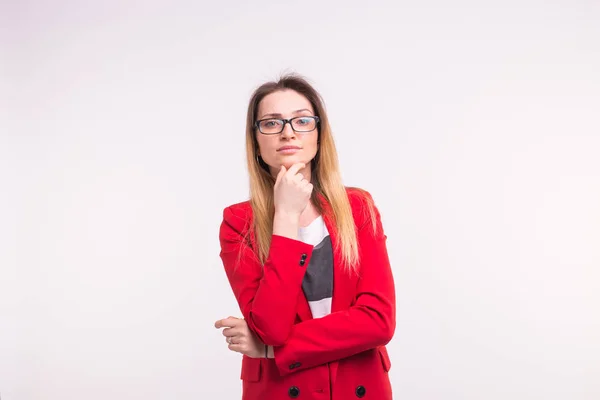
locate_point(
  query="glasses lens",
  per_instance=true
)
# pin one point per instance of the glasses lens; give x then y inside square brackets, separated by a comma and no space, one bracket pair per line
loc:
[270,125]
[304,124]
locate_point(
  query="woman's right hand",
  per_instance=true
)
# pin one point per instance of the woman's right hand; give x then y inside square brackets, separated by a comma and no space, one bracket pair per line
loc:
[292,191]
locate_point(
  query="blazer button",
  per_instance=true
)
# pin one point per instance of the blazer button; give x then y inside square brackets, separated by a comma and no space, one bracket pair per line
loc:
[302,262]
[360,391]
[294,392]
[303,256]
[295,365]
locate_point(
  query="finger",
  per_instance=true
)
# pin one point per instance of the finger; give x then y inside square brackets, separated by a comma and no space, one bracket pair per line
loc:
[281,173]
[308,187]
[295,168]
[223,322]
[227,322]
[298,178]
[232,340]
[239,348]
[237,340]
[231,332]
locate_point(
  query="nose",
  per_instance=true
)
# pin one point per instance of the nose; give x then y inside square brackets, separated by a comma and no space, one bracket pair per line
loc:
[287,129]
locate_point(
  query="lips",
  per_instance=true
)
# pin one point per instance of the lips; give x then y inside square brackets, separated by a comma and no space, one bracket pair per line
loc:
[288,148]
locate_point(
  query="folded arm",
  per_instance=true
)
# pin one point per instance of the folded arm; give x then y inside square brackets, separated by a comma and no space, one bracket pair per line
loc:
[370,322]
[267,295]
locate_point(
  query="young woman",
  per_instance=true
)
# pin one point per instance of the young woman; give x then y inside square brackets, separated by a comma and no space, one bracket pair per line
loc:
[307,260]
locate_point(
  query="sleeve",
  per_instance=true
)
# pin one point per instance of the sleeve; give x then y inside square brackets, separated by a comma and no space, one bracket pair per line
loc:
[267,295]
[370,322]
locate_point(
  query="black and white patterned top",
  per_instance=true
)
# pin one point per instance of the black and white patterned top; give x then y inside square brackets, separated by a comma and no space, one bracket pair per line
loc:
[318,280]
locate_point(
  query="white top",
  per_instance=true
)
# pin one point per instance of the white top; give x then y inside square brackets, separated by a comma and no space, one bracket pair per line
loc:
[318,280]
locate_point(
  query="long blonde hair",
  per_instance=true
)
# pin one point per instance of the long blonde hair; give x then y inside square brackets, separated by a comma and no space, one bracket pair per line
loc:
[326,177]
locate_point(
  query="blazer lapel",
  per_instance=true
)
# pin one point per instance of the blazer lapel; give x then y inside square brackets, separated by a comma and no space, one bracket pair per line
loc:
[341,279]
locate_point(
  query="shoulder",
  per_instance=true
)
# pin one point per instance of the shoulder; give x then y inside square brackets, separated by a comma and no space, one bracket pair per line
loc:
[359,197]
[362,204]
[237,216]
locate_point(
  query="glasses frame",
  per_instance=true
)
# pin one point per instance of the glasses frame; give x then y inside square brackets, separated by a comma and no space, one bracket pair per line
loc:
[285,121]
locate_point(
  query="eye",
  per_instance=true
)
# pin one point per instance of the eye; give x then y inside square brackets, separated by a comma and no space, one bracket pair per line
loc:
[270,123]
[303,121]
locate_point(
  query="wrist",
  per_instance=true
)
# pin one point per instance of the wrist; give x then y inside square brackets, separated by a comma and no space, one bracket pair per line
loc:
[287,217]
[286,225]
[270,352]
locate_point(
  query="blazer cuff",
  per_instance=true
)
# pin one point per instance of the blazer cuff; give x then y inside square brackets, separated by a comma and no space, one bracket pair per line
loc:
[288,251]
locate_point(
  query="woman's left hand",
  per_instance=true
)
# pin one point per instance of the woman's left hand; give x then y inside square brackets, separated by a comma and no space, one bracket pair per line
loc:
[240,338]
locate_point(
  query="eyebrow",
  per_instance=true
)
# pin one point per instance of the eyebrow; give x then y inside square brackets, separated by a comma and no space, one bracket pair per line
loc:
[281,115]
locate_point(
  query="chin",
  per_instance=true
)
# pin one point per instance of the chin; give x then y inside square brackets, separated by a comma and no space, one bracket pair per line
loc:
[288,162]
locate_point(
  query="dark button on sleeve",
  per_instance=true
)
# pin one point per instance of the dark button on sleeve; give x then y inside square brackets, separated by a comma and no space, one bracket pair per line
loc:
[302,262]
[295,365]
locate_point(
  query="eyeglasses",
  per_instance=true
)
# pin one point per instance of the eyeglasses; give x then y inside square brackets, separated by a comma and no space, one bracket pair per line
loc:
[274,126]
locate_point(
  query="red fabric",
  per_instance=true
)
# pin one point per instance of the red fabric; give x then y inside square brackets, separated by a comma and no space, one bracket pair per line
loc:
[339,356]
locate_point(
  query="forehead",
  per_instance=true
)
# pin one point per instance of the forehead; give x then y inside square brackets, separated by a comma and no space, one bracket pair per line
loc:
[283,102]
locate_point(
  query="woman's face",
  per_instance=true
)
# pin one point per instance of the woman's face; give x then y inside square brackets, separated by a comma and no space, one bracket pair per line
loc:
[286,104]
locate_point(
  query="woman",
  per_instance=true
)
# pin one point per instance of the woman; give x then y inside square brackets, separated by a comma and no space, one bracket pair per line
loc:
[306,258]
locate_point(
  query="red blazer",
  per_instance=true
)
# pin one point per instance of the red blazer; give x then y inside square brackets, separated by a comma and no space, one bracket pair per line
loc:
[340,356]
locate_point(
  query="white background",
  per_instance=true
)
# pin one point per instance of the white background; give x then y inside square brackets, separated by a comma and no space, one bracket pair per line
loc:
[474,124]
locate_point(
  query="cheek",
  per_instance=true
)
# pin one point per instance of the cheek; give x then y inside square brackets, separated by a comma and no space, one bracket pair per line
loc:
[311,142]
[265,144]
[260,141]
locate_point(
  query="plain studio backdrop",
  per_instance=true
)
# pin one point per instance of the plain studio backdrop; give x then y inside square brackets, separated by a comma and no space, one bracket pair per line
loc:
[474,125]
